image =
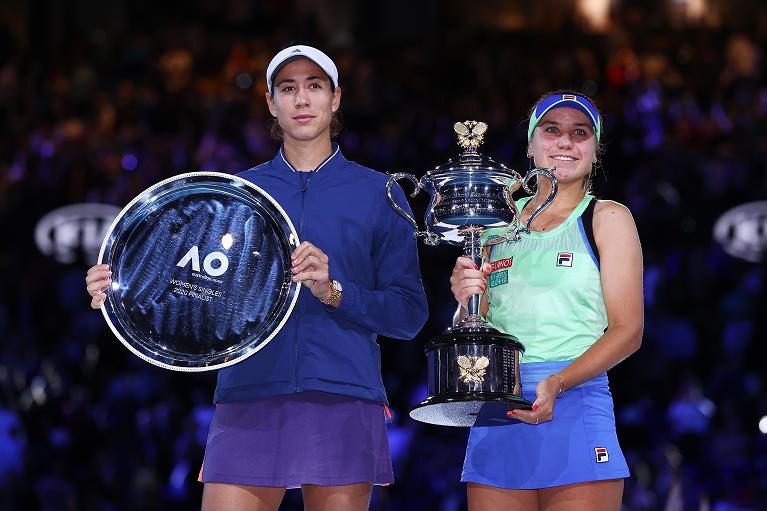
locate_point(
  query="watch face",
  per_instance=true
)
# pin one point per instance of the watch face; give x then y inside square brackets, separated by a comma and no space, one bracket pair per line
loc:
[200,270]
[337,286]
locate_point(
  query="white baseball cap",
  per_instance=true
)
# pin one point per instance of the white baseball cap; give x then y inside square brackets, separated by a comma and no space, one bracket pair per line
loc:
[300,51]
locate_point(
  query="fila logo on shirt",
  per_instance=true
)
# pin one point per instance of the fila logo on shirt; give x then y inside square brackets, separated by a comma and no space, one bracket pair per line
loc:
[565,259]
[601,453]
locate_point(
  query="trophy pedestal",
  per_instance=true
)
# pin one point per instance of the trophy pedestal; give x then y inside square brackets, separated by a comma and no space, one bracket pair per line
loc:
[473,377]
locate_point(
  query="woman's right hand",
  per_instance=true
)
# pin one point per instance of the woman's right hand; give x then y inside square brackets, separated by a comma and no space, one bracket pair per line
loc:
[467,280]
[97,281]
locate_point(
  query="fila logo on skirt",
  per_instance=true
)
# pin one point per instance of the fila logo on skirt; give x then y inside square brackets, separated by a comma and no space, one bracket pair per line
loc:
[601,453]
[565,259]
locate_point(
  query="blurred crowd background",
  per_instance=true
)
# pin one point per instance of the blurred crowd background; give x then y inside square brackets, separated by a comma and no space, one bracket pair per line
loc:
[100,100]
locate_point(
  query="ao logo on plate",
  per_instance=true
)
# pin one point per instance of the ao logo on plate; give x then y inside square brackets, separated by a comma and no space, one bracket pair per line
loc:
[742,231]
[194,256]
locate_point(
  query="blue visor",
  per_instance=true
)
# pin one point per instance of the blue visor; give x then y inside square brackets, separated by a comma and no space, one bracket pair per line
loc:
[575,101]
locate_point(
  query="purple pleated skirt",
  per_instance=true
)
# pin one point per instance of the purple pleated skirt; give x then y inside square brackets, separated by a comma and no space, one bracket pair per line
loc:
[291,440]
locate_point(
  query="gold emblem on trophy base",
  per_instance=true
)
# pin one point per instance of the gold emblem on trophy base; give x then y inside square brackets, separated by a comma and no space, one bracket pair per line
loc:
[473,368]
[470,134]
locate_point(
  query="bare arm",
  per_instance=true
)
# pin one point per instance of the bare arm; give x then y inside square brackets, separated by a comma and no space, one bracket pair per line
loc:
[621,272]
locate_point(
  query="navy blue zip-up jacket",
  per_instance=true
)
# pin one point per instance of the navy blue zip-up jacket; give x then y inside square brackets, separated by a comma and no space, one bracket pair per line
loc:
[341,208]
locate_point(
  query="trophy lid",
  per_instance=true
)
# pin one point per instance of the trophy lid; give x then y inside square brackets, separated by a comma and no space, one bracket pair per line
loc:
[470,137]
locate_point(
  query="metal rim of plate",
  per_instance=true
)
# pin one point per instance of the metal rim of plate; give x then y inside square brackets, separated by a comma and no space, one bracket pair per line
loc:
[248,352]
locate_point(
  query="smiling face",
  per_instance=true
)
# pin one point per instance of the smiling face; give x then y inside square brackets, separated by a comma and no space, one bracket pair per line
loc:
[564,139]
[303,101]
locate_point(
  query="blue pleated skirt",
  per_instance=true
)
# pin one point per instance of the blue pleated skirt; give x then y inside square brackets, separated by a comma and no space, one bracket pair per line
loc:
[580,443]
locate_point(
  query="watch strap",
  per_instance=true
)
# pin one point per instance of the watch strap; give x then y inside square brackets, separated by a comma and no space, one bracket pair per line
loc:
[335,294]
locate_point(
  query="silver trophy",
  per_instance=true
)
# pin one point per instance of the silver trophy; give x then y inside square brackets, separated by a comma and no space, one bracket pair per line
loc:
[473,368]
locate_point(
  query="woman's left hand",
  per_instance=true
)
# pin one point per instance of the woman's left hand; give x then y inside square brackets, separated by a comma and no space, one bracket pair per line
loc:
[546,393]
[310,267]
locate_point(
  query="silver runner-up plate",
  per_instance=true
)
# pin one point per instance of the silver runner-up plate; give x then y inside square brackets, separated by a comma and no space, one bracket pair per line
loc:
[201,273]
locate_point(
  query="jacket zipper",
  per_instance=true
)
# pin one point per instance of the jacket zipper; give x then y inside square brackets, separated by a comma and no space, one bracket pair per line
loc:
[304,187]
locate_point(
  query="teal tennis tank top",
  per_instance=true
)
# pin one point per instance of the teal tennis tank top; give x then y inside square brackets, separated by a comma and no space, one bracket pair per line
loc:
[545,289]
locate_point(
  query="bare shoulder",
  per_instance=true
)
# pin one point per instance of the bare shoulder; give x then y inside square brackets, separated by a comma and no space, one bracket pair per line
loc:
[609,208]
[609,213]
[613,221]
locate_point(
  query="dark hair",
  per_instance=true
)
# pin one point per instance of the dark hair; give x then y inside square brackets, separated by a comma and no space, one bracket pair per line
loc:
[588,180]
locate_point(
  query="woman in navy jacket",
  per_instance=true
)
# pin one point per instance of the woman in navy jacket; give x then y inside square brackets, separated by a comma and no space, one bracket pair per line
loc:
[308,410]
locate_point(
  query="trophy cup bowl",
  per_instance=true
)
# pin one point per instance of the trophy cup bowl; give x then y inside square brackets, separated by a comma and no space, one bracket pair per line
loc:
[473,368]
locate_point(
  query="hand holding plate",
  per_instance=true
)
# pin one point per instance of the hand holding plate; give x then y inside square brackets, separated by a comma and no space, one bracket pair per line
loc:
[97,281]
[310,267]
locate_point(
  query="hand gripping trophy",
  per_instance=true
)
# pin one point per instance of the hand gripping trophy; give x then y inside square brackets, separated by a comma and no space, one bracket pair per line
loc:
[473,368]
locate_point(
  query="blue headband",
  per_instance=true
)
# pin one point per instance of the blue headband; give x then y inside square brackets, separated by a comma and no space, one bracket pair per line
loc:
[576,101]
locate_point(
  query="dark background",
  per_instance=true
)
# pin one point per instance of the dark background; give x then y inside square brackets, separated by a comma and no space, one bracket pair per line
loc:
[99,100]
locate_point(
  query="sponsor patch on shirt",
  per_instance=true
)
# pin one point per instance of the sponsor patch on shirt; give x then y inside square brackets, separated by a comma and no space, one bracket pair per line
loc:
[501,264]
[499,271]
[601,453]
[565,259]
[498,277]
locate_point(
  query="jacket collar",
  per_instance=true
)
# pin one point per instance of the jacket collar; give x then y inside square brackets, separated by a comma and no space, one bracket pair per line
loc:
[281,161]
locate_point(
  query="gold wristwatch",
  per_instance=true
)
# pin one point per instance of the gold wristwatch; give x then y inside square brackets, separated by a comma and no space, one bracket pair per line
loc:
[335,292]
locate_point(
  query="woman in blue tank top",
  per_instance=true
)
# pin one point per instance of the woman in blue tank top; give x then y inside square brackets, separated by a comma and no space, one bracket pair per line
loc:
[564,453]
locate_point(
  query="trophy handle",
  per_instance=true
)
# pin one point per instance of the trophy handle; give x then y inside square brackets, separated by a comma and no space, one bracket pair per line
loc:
[547,173]
[512,233]
[430,238]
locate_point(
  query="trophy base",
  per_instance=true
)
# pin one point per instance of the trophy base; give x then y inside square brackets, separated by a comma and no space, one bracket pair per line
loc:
[473,371]
[467,410]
